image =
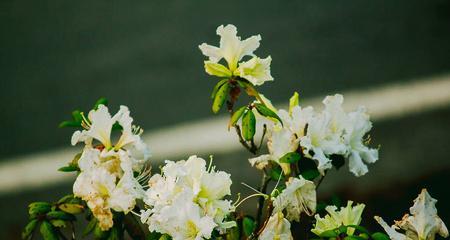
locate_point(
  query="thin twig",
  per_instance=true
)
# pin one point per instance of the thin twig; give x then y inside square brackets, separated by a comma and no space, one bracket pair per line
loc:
[241,140]
[264,182]
[263,135]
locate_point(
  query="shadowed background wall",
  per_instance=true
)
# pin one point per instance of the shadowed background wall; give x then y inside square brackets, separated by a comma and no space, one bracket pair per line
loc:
[59,55]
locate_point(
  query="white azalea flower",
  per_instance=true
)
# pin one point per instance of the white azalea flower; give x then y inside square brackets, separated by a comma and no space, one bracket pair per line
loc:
[338,117]
[280,142]
[232,48]
[99,125]
[95,187]
[358,153]
[349,215]
[277,227]
[319,142]
[422,223]
[297,119]
[299,196]
[198,188]
[255,70]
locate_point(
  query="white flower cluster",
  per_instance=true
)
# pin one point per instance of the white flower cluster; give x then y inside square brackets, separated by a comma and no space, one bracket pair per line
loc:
[186,200]
[106,180]
[321,135]
[256,70]
[298,197]
[349,215]
[422,224]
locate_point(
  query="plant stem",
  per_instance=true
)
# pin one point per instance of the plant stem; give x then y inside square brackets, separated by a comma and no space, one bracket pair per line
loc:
[263,188]
[252,148]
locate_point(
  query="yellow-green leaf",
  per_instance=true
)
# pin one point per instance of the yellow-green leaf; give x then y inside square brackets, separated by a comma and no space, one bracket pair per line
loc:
[293,101]
[29,228]
[47,231]
[220,98]
[266,112]
[236,116]
[248,125]
[71,208]
[217,69]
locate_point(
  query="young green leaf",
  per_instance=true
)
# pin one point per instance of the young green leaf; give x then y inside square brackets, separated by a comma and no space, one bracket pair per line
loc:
[39,208]
[91,225]
[293,101]
[248,226]
[29,228]
[248,125]
[266,112]
[101,101]
[69,168]
[291,157]
[310,174]
[236,116]
[220,98]
[61,215]
[217,86]
[329,234]
[58,223]
[275,173]
[354,238]
[99,234]
[69,124]
[47,231]
[217,69]
[379,236]
[71,208]
[361,229]
[114,234]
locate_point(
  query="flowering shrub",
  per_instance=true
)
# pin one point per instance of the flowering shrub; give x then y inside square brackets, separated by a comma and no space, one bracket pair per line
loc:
[119,195]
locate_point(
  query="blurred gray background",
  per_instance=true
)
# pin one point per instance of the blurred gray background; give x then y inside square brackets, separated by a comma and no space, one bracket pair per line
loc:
[56,56]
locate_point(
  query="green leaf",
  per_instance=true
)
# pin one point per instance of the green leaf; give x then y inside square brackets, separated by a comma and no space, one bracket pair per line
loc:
[291,157]
[220,98]
[275,173]
[233,234]
[47,231]
[69,124]
[216,88]
[101,101]
[114,234]
[165,237]
[354,238]
[65,199]
[379,236]
[329,234]
[61,215]
[76,116]
[153,236]
[217,69]
[248,125]
[91,225]
[248,226]
[71,208]
[266,112]
[29,228]
[69,168]
[236,116]
[37,208]
[58,223]
[99,234]
[361,229]
[310,174]
[293,102]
